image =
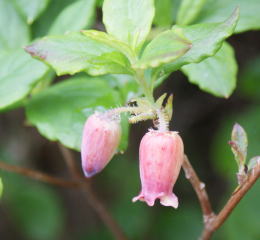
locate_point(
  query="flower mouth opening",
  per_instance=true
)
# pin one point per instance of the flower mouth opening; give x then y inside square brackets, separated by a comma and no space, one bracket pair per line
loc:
[166,199]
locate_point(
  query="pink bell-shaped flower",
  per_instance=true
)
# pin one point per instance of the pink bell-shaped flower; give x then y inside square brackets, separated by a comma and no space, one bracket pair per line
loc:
[101,137]
[161,156]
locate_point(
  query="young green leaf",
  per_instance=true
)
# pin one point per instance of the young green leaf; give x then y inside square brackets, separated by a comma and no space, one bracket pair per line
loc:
[189,10]
[253,162]
[60,112]
[206,38]
[238,144]
[166,47]
[129,20]
[220,151]
[19,74]
[74,53]
[109,40]
[75,17]
[15,35]
[215,11]
[31,9]
[212,74]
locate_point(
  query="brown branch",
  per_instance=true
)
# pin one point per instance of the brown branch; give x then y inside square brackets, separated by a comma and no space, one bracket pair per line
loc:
[38,175]
[91,197]
[211,221]
[199,188]
[231,203]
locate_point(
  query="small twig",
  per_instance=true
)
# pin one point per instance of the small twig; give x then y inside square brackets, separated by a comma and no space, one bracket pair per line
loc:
[211,221]
[200,190]
[91,197]
[38,175]
[231,203]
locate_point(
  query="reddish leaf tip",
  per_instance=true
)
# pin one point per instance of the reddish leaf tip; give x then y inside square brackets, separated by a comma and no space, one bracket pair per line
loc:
[34,52]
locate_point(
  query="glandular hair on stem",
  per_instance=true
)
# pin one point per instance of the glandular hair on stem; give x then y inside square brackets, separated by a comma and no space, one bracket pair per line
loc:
[163,123]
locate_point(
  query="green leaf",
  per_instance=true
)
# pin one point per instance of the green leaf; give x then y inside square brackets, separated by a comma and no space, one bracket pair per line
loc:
[212,74]
[109,40]
[19,74]
[164,12]
[42,24]
[189,10]
[239,144]
[166,47]
[215,11]
[60,112]
[75,17]
[14,32]
[125,84]
[74,53]
[31,9]
[206,38]
[99,3]
[129,20]
[1,187]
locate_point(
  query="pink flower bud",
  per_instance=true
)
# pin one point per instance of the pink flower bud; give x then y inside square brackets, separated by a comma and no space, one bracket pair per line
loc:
[161,157]
[101,136]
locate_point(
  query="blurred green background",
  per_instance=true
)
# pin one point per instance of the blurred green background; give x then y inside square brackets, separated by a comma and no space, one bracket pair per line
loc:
[31,210]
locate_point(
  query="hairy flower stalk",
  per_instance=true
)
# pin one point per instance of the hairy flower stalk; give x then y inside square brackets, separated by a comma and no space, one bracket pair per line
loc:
[101,137]
[161,156]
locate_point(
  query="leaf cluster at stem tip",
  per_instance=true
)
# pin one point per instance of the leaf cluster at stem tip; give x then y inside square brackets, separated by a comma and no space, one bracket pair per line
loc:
[125,48]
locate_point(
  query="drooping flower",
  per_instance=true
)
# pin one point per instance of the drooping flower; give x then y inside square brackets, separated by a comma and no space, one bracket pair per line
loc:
[101,137]
[161,156]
